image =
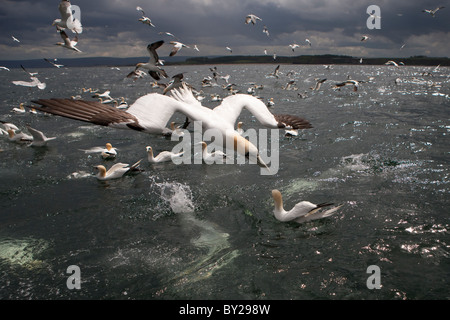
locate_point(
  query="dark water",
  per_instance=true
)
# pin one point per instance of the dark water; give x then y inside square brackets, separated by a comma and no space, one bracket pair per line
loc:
[208,231]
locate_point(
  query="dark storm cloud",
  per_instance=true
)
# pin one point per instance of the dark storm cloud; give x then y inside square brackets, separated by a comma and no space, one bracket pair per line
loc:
[111,28]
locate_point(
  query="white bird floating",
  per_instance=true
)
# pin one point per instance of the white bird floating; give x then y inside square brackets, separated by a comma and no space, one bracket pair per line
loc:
[152,112]
[107,152]
[216,156]
[117,171]
[163,156]
[67,20]
[19,109]
[302,212]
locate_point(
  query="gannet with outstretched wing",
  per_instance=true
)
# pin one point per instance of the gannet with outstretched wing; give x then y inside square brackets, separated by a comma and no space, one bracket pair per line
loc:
[153,63]
[152,112]
[39,138]
[302,212]
[67,43]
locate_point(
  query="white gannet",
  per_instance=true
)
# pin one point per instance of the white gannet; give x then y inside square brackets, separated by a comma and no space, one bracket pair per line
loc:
[117,171]
[152,112]
[364,38]
[216,156]
[122,104]
[144,19]
[432,12]
[178,132]
[175,83]
[19,109]
[177,47]
[15,39]
[229,49]
[136,74]
[105,94]
[152,66]
[39,138]
[392,63]
[67,20]
[354,83]
[106,152]
[302,212]
[67,43]
[266,31]
[251,18]
[270,103]
[308,42]
[4,68]
[294,46]
[54,64]
[163,156]
[276,72]
[35,82]
[196,48]
[239,128]
[19,136]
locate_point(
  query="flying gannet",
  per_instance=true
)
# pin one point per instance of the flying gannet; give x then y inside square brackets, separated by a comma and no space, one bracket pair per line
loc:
[35,82]
[364,38]
[144,19]
[302,212]
[432,12]
[117,171]
[67,43]
[353,83]
[54,64]
[318,84]
[251,18]
[15,39]
[67,20]
[152,112]
[152,66]
[163,156]
[266,31]
[294,46]
[177,47]
[4,68]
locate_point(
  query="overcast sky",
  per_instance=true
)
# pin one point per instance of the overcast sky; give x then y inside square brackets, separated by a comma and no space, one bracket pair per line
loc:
[111,28]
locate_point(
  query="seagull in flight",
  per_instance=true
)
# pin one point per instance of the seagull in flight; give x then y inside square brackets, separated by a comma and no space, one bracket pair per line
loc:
[67,20]
[176,47]
[152,112]
[251,18]
[144,19]
[433,12]
[153,63]
[67,43]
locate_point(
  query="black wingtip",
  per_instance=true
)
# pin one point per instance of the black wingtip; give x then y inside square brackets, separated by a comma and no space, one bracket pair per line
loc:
[294,122]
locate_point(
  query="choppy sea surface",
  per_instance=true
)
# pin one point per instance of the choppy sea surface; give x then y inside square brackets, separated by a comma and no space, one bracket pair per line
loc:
[204,231]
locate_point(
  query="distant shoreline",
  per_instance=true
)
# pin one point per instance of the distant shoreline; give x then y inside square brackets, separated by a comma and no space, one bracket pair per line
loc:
[326,59]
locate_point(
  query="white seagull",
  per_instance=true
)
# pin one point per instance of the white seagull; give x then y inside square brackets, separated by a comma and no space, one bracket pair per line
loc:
[39,138]
[152,112]
[35,82]
[116,171]
[107,152]
[251,18]
[433,12]
[302,212]
[67,20]
[67,43]
[163,156]
[152,66]
[144,19]
[176,47]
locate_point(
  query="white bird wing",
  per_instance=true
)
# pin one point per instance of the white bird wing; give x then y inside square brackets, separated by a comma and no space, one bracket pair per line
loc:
[151,48]
[65,9]
[38,136]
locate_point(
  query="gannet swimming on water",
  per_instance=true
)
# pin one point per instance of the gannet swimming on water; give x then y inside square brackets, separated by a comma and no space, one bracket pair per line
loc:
[302,212]
[177,47]
[67,43]
[163,156]
[39,138]
[432,12]
[152,66]
[19,137]
[19,109]
[105,94]
[116,171]
[152,112]
[251,18]
[35,82]
[239,128]
[107,152]
[67,20]
[216,156]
